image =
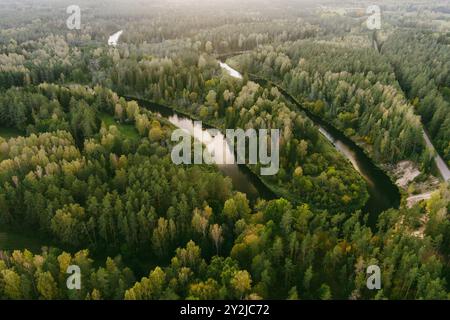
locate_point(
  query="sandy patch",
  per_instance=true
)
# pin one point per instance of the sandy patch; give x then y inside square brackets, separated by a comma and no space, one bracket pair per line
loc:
[406,171]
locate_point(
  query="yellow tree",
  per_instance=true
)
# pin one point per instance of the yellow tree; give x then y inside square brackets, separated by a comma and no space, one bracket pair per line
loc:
[242,283]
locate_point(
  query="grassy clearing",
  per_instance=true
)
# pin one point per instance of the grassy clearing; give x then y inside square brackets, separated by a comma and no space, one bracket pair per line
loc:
[127,130]
[10,241]
[9,133]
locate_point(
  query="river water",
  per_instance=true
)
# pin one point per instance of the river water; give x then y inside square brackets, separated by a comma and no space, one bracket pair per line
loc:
[230,70]
[242,178]
[114,39]
[383,193]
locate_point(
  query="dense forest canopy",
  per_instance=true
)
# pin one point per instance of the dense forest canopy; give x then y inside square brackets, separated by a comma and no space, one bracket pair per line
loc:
[86,168]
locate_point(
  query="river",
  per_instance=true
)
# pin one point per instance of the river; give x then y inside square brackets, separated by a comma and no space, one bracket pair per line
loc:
[383,193]
[242,178]
[114,39]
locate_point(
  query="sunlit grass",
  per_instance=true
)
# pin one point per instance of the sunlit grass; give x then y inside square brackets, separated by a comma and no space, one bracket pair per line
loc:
[9,133]
[14,241]
[127,130]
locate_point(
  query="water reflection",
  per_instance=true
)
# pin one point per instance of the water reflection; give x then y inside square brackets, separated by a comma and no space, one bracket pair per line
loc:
[215,142]
[230,70]
[383,193]
[218,148]
[114,39]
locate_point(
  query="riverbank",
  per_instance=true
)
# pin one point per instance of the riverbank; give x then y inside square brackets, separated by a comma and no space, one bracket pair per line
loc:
[390,189]
[389,169]
[266,188]
[372,207]
[403,175]
[243,177]
[11,240]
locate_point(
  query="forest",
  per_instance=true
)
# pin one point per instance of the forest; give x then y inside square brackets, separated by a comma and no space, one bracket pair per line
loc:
[86,169]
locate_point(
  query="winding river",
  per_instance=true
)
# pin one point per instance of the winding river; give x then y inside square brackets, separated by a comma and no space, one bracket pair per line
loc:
[383,193]
[241,176]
